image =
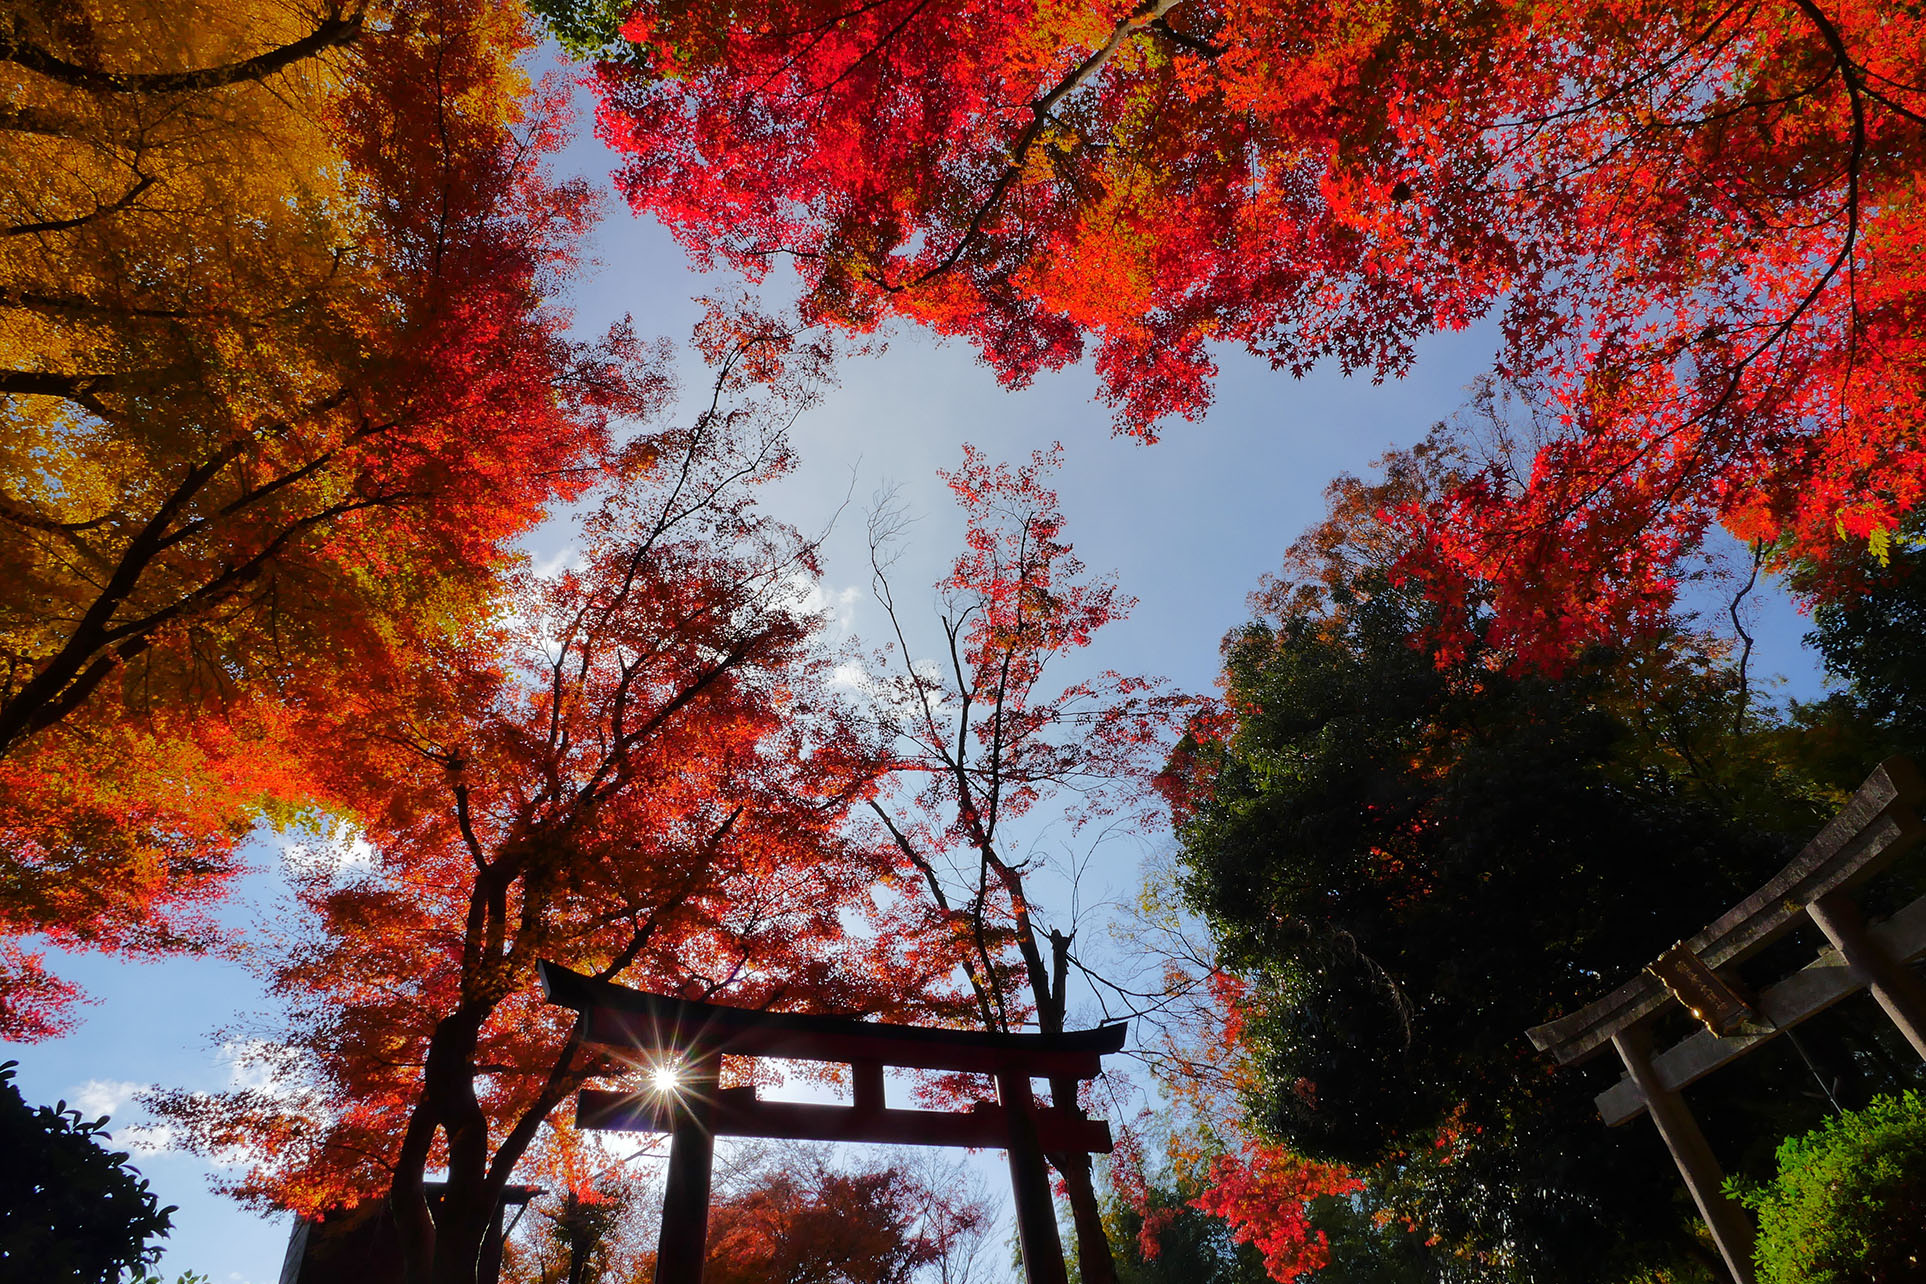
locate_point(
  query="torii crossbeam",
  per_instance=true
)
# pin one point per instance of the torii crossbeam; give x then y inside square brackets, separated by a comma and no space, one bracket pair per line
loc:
[694,1037]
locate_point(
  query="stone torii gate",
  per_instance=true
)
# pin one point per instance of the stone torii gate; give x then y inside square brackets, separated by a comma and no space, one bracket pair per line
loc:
[685,1041]
[1881,823]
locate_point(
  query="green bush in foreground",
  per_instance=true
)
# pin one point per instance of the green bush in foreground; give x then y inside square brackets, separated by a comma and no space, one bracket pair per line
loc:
[1849,1203]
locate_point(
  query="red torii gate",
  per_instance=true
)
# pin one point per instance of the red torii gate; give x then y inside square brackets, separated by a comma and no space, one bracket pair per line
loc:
[693,1038]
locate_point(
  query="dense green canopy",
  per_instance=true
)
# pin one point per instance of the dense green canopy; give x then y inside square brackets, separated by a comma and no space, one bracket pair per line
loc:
[1416,856]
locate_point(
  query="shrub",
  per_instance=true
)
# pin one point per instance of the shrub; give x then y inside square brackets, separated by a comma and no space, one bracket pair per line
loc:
[70,1209]
[1849,1203]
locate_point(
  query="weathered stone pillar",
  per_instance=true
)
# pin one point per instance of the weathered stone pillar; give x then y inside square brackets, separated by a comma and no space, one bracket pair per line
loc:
[1892,983]
[1731,1226]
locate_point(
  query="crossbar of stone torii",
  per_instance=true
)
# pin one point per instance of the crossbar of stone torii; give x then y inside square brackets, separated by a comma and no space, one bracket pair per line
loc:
[691,1038]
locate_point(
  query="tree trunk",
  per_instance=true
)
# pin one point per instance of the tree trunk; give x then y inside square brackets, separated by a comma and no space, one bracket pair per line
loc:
[408,1200]
[467,1203]
[334,30]
[1094,1262]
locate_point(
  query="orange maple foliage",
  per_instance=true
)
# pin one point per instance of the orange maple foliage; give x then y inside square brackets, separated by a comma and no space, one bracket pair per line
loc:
[882,1225]
[1263,1191]
[1697,224]
[130,859]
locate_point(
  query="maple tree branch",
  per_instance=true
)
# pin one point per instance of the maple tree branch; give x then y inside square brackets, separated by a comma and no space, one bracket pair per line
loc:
[882,43]
[1619,90]
[214,592]
[1049,1019]
[82,390]
[645,930]
[817,30]
[1851,70]
[980,937]
[66,304]
[1742,106]
[712,988]
[562,1079]
[981,837]
[33,120]
[1059,971]
[50,693]
[953,763]
[883,524]
[983,987]
[1000,705]
[1183,39]
[253,495]
[26,515]
[236,572]
[1841,261]
[966,697]
[1041,113]
[467,826]
[70,678]
[1895,82]
[333,31]
[613,769]
[100,211]
[672,512]
[685,888]
[1738,626]
[1142,1003]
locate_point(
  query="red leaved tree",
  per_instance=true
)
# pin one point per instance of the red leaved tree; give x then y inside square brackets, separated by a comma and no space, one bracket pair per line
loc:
[780,1213]
[804,1221]
[639,772]
[986,733]
[1695,223]
[1216,1157]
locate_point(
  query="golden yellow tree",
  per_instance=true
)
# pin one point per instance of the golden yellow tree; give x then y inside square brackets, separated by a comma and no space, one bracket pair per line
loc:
[278,383]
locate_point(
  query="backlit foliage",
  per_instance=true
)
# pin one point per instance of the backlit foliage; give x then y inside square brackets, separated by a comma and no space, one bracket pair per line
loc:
[1697,226]
[639,770]
[986,733]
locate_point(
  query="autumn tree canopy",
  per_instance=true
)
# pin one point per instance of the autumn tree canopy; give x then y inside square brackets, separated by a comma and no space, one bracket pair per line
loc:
[641,772]
[281,375]
[780,1213]
[806,1222]
[1695,225]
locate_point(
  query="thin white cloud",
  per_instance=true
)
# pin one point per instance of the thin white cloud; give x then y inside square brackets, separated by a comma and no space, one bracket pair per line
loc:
[569,557]
[261,1065]
[852,677]
[115,1098]
[98,1097]
[145,1140]
[837,606]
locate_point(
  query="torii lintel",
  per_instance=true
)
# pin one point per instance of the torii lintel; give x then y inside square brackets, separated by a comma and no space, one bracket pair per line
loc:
[696,1036]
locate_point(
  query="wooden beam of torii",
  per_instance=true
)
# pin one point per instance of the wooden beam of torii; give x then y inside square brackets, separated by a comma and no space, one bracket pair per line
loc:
[1880,824]
[691,1037]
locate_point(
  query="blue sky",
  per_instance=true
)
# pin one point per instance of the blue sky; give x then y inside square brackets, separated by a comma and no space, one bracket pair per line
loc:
[1188,526]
